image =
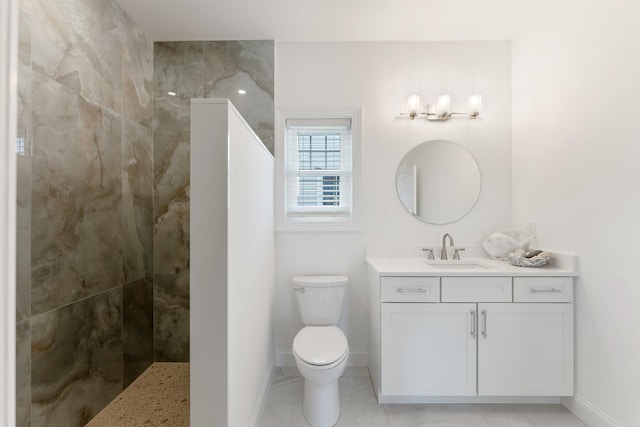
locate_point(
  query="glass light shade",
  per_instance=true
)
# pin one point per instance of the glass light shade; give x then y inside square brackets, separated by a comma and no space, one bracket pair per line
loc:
[443,105]
[474,105]
[413,105]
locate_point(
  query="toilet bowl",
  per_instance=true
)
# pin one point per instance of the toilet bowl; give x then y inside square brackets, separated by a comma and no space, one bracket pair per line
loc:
[320,348]
[321,354]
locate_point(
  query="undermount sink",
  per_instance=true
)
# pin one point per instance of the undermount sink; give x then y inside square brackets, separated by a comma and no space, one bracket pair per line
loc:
[455,264]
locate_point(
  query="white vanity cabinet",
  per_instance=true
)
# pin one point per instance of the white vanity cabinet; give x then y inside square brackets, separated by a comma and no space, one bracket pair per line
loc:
[471,336]
[525,349]
[428,349]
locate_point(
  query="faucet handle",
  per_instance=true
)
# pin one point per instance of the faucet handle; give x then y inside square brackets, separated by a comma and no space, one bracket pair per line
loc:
[429,252]
[456,252]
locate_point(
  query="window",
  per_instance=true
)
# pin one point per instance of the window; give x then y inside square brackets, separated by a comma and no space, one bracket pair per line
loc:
[318,177]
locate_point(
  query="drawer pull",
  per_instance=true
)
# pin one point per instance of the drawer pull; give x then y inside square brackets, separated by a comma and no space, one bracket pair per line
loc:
[473,324]
[551,290]
[419,290]
[484,323]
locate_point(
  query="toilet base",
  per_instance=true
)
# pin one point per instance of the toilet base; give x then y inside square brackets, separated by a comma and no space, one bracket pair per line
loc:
[321,403]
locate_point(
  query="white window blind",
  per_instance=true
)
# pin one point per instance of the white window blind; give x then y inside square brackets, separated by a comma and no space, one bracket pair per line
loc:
[318,167]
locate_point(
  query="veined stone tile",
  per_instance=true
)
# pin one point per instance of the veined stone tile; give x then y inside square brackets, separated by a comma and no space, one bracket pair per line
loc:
[223,59]
[171,237]
[267,138]
[171,202]
[23,238]
[137,325]
[276,415]
[529,416]
[434,415]
[171,153]
[137,201]
[171,317]
[356,390]
[76,43]
[137,69]
[23,192]
[24,32]
[23,374]
[76,360]
[288,390]
[178,69]
[256,106]
[76,242]
[248,65]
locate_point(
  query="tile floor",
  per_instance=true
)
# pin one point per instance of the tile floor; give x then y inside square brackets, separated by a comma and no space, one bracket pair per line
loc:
[283,408]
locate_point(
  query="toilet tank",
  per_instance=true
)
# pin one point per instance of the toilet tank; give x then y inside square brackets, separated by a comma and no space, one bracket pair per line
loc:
[320,298]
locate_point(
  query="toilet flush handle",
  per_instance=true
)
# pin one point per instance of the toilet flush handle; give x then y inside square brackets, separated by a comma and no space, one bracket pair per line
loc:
[299,289]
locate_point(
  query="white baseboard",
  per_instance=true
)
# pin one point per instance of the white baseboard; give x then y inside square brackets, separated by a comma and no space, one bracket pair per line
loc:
[285,359]
[258,409]
[469,400]
[587,412]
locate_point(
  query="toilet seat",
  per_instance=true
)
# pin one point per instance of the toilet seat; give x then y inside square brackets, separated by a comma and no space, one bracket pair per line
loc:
[320,346]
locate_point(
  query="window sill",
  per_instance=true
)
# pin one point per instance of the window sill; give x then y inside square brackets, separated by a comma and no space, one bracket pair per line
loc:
[317,227]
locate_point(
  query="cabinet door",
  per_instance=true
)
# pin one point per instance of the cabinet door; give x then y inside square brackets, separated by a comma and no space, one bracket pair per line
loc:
[525,349]
[428,349]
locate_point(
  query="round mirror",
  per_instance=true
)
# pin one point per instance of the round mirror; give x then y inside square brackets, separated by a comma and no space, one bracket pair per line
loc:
[438,182]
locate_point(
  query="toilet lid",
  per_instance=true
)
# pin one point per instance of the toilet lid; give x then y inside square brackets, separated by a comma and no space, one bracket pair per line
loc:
[320,345]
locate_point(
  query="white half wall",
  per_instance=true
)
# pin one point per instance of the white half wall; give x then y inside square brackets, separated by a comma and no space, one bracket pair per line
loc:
[208,314]
[576,154]
[8,106]
[379,76]
[251,264]
[232,267]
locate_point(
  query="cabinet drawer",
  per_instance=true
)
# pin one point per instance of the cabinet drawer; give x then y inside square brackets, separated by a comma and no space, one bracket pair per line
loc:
[542,289]
[410,289]
[476,289]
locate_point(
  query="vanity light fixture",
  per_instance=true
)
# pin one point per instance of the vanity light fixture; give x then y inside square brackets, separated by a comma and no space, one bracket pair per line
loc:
[442,110]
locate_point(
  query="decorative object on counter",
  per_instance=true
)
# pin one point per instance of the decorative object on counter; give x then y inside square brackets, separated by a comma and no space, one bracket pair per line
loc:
[499,244]
[532,258]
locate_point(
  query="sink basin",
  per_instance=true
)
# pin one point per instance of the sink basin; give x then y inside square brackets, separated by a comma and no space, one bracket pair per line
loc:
[455,265]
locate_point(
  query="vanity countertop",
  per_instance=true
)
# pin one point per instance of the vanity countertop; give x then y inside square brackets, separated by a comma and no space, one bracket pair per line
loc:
[562,265]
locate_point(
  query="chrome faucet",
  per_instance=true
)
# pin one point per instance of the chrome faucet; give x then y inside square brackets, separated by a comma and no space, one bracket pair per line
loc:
[443,252]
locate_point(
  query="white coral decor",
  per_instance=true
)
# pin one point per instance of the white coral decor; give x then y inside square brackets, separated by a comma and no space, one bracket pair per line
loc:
[499,244]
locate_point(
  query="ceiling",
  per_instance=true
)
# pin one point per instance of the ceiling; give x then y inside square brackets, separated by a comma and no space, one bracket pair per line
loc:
[334,20]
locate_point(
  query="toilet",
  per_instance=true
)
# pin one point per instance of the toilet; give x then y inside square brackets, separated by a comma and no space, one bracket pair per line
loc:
[320,348]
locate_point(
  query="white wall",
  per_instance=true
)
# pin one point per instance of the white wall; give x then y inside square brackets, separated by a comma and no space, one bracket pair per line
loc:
[576,153]
[379,76]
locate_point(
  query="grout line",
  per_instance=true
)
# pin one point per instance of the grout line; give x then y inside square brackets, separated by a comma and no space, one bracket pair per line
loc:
[475,407]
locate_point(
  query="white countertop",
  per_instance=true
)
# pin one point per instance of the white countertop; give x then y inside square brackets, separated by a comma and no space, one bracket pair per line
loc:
[561,265]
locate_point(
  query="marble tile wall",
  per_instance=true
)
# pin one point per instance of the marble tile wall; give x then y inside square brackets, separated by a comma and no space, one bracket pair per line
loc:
[85,208]
[103,197]
[211,69]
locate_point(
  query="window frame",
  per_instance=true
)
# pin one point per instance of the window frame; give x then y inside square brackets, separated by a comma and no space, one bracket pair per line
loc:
[321,219]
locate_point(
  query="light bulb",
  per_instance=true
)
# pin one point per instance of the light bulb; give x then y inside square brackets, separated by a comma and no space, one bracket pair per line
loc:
[443,106]
[413,106]
[474,106]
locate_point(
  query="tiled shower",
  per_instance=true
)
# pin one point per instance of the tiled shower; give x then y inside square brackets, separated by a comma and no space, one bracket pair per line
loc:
[103,197]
